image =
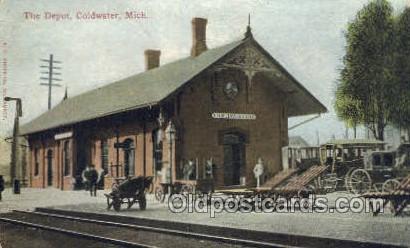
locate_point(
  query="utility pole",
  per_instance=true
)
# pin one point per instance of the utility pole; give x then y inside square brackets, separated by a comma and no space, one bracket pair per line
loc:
[50,76]
[14,146]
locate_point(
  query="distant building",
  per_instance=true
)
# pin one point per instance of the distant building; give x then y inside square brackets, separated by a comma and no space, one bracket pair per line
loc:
[230,104]
[297,141]
[393,136]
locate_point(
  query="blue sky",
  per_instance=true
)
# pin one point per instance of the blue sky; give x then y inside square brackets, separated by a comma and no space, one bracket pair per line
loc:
[304,36]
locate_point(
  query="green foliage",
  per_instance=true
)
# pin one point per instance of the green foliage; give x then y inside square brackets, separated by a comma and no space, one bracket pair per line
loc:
[364,92]
[401,108]
[348,108]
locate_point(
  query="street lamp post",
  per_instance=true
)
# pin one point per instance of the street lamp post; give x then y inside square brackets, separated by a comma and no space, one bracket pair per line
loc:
[14,148]
[170,132]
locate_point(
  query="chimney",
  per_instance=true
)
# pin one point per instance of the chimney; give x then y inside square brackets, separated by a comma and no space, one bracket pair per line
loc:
[151,59]
[198,36]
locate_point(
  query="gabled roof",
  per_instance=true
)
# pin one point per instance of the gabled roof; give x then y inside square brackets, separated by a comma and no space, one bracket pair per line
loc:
[298,141]
[144,89]
[147,89]
[355,142]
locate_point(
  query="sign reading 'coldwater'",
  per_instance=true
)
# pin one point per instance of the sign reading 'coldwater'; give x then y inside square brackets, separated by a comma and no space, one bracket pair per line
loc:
[233,116]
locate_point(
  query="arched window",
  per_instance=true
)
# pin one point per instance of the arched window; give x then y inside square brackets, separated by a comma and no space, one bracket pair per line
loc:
[36,162]
[66,158]
[157,150]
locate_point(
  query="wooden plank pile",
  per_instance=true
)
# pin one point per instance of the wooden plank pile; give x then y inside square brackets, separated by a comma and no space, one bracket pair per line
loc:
[399,198]
[297,183]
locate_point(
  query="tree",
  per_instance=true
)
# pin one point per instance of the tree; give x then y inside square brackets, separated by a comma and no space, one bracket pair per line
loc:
[401,108]
[367,75]
[348,109]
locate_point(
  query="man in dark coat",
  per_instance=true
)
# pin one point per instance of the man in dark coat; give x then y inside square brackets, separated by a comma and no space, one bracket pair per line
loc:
[1,185]
[90,176]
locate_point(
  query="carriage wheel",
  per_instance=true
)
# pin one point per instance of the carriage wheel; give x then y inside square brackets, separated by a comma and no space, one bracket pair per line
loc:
[360,181]
[187,189]
[130,203]
[347,181]
[390,185]
[305,193]
[327,183]
[159,194]
[116,204]
[143,202]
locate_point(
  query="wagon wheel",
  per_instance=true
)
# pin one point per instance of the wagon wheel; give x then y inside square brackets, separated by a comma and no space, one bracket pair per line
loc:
[116,203]
[130,203]
[187,189]
[327,183]
[143,202]
[159,194]
[390,185]
[305,193]
[360,181]
[347,180]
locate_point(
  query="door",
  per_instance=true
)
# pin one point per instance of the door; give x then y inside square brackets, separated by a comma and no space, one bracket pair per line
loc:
[234,158]
[50,168]
[129,158]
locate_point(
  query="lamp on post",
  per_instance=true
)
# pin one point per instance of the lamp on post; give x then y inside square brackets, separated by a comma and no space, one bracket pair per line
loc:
[14,148]
[170,133]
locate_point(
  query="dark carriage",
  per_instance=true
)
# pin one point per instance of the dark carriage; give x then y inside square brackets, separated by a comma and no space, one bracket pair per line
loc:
[129,192]
[382,171]
[343,157]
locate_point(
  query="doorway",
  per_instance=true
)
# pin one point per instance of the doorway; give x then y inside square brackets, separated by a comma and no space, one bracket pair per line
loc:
[83,157]
[129,158]
[234,157]
[49,167]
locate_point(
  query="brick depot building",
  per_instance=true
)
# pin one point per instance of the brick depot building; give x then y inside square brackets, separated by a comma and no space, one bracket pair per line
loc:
[229,103]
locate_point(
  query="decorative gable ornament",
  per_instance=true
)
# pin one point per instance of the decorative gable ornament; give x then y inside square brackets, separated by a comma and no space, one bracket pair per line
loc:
[231,89]
[249,60]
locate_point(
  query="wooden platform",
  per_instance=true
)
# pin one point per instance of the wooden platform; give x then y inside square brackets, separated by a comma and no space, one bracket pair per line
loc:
[400,198]
[297,183]
[279,178]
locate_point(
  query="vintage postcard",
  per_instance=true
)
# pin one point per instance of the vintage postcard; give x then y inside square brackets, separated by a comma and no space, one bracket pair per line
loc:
[176,123]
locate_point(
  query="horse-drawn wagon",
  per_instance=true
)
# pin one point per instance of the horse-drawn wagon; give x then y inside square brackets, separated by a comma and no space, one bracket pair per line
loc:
[198,187]
[343,157]
[188,179]
[382,171]
[129,192]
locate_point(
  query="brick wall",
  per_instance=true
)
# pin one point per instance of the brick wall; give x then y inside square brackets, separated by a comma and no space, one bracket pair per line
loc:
[198,134]
[267,134]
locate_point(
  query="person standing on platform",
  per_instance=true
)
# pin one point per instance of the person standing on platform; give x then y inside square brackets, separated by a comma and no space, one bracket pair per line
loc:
[91,177]
[258,172]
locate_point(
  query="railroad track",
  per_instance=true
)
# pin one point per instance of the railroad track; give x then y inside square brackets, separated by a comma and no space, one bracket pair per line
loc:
[75,234]
[181,233]
[34,218]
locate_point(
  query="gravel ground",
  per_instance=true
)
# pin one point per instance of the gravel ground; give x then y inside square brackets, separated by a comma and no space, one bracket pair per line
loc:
[12,236]
[354,226]
[126,234]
